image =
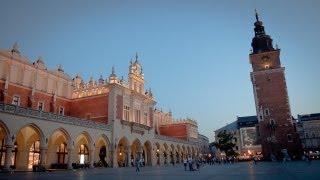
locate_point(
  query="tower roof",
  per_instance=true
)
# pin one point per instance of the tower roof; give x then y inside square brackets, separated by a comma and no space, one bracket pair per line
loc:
[261,42]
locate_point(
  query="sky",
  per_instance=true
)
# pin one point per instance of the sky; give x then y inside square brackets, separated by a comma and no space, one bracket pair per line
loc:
[194,53]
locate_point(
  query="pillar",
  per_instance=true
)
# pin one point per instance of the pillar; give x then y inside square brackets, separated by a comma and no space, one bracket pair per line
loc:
[43,151]
[70,158]
[128,157]
[7,157]
[91,158]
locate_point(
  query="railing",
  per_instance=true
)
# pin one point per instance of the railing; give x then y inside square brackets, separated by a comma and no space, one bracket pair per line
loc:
[27,112]
[167,138]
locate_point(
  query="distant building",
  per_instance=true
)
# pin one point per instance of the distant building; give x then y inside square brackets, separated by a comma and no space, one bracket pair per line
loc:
[245,136]
[309,130]
[203,145]
[277,129]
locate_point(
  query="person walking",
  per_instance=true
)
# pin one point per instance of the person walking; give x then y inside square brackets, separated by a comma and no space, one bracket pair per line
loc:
[185,163]
[137,165]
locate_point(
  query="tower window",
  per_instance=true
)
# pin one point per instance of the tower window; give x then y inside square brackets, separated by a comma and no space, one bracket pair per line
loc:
[289,137]
[266,112]
[266,66]
[272,122]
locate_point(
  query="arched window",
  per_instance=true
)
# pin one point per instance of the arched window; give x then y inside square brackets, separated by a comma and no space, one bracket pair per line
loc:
[83,154]
[34,154]
[62,153]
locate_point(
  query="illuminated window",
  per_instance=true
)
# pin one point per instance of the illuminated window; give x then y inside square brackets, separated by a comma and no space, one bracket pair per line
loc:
[40,106]
[267,67]
[16,100]
[83,154]
[62,153]
[34,154]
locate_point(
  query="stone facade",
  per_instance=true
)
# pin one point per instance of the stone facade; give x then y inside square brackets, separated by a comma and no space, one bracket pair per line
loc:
[48,119]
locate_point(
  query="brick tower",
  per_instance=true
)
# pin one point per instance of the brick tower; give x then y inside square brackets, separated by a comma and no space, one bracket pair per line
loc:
[276,128]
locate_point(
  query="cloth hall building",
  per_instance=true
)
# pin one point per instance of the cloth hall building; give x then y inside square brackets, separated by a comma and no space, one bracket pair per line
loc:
[48,119]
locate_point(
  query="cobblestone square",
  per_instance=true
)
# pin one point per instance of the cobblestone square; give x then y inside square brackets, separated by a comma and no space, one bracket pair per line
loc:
[241,170]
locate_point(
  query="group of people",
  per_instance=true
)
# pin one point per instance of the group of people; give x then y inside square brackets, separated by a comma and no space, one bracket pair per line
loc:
[137,163]
[189,162]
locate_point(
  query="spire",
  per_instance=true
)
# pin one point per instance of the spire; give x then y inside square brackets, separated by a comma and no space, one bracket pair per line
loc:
[137,57]
[257,16]
[113,76]
[15,48]
[261,41]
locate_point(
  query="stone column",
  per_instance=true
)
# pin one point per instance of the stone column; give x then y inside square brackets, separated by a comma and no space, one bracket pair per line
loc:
[70,158]
[7,157]
[43,151]
[91,158]
[113,153]
[128,155]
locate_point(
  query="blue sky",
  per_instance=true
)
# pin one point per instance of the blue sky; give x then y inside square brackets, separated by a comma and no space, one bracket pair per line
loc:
[194,53]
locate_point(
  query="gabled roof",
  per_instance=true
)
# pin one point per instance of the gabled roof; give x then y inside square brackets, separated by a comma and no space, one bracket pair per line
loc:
[229,127]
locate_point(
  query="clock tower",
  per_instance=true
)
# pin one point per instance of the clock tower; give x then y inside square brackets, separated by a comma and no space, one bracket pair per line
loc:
[276,129]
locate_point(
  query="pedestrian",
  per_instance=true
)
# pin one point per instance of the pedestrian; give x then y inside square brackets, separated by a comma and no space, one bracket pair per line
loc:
[198,165]
[185,162]
[137,165]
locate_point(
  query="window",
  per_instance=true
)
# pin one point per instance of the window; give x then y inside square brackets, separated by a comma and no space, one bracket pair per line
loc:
[289,137]
[266,66]
[266,112]
[83,154]
[126,112]
[237,148]
[313,134]
[40,106]
[61,110]
[16,100]
[62,152]
[34,154]
[137,116]
[272,122]
[306,135]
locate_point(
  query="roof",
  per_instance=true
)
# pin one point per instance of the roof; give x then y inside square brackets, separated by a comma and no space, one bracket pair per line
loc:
[232,126]
[247,119]
[309,117]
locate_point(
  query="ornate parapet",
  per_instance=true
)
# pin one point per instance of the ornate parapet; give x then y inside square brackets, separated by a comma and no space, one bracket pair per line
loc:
[136,127]
[46,116]
[168,138]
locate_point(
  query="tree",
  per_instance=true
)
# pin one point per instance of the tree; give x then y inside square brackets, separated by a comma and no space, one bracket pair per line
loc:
[225,143]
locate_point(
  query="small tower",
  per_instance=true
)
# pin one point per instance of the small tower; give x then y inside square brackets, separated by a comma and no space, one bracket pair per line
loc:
[277,129]
[113,77]
[136,77]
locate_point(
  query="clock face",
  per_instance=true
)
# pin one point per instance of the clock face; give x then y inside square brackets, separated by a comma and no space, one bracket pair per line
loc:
[265,59]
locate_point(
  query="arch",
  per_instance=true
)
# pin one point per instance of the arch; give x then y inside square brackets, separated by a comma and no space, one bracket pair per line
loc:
[157,152]
[82,147]
[4,128]
[147,153]
[59,144]
[123,152]
[29,138]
